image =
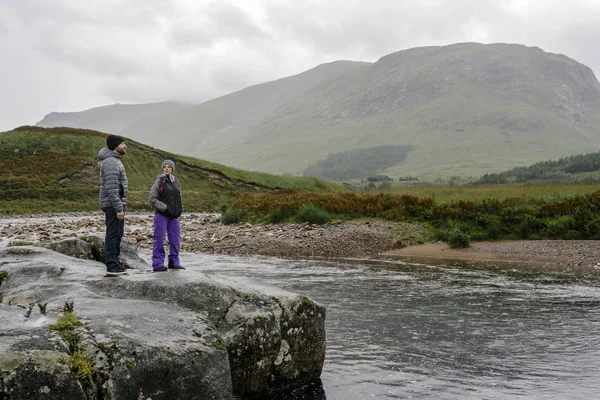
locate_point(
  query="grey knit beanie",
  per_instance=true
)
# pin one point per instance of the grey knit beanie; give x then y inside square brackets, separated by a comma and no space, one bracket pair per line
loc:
[169,162]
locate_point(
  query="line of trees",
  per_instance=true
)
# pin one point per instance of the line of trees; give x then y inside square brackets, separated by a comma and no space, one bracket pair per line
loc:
[358,164]
[562,169]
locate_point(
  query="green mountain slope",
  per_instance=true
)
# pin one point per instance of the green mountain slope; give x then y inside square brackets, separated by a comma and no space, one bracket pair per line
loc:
[55,169]
[467,109]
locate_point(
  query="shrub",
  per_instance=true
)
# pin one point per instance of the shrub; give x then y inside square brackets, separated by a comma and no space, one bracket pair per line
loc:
[494,232]
[557,228]
[223,206]
[458,239]
[441,234]
[479,235]
[573,235]
[231,217]
[592,229]
[275,216]
[529,225]
[313,215]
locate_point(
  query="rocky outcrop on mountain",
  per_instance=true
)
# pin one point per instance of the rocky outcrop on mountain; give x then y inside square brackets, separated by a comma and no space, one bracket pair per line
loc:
[180,335]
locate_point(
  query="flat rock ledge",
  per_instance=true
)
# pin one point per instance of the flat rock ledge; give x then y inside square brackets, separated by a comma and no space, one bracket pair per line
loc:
[176,335]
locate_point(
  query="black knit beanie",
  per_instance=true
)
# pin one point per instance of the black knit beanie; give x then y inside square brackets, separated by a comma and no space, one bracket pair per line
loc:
[113,141]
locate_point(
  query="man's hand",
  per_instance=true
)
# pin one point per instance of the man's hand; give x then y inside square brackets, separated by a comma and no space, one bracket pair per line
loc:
[121,215]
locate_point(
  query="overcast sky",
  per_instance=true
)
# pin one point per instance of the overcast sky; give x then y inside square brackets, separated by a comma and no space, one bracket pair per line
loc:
[72,55]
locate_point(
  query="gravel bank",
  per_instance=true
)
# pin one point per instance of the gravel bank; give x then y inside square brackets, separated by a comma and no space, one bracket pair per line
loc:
[204,233]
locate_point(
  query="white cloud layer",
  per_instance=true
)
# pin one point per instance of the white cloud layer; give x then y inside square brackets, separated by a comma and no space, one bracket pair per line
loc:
[71,55]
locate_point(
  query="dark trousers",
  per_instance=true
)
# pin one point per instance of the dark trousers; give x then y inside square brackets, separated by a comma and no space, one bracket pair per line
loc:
[112,242]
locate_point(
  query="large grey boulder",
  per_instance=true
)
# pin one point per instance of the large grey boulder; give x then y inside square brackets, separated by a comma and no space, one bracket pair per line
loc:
[180,335]
[38,374]
[129,254]
[72,247]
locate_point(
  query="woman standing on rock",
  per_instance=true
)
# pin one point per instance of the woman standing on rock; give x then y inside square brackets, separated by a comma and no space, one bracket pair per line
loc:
[165,198]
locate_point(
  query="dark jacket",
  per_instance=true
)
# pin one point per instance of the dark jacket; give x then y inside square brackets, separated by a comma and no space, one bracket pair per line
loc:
[113,181]
[165,196]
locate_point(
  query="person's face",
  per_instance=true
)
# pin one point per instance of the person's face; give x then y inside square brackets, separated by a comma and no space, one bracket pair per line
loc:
[167,170]
[121,148]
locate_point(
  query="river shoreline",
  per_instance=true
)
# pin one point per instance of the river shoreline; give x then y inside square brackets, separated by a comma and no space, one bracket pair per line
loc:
[368,238]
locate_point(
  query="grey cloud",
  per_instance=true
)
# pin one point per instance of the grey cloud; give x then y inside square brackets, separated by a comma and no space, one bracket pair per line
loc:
[380,26]
[219,21]
[91,37]
[135,51]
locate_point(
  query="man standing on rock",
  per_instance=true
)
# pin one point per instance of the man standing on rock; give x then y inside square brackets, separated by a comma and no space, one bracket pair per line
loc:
[113,197]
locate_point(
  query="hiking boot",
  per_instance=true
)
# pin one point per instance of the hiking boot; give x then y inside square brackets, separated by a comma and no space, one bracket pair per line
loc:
[171,266]
[116,271]
[159,269]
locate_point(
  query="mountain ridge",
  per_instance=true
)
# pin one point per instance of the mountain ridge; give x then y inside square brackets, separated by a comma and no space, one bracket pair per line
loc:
[466,109]
[111,118]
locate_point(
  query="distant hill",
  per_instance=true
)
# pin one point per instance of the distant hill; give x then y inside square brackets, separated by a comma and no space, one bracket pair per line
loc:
[466,109]
[576,168]
[109,119]
[55,169]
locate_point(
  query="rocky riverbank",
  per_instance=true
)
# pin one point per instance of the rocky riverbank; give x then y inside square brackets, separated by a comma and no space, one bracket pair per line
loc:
[204,233]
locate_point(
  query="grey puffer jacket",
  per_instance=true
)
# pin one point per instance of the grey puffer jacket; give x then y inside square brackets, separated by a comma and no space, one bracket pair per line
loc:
[113,181]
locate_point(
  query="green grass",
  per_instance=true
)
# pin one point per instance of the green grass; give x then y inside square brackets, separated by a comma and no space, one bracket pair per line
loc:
[3,275]
[67,321]
[81,366]
[78,363]
[444,194]
[55,169]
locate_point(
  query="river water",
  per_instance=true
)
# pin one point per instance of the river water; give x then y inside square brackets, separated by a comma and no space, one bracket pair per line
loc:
[410,331]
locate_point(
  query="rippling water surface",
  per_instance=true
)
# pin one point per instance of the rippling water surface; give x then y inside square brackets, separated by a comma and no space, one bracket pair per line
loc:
[401,331]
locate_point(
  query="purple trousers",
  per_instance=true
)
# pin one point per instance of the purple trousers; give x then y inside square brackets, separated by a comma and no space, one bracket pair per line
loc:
[169,226]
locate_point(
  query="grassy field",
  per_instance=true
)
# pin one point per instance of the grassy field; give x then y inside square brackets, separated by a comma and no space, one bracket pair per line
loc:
[547,192]
[55,169]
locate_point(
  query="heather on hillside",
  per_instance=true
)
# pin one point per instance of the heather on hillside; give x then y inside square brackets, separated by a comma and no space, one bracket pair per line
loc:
[576,217]
[55,169]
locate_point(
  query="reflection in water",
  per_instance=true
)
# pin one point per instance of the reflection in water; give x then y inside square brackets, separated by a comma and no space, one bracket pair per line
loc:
[428,332]
[311,391]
